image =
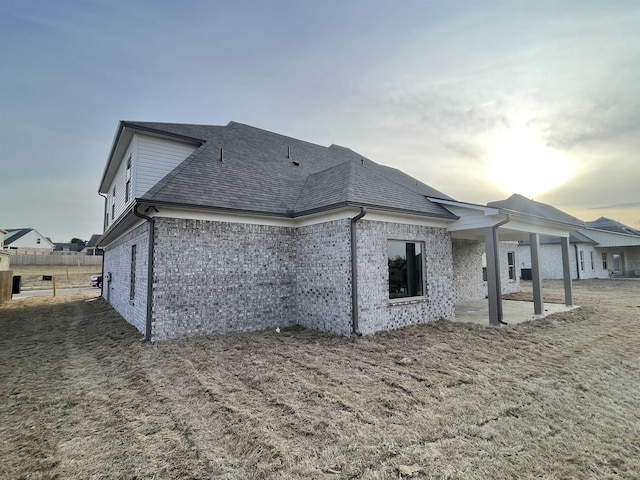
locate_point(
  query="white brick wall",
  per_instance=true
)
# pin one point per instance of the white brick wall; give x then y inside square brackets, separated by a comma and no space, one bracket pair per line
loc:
[117,261]
[377,311]
[551,261]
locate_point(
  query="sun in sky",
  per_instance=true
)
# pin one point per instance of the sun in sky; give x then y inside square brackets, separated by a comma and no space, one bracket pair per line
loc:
[520,162]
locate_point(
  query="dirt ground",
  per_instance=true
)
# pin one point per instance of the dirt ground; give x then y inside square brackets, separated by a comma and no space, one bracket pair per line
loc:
[66,276]
[555,398]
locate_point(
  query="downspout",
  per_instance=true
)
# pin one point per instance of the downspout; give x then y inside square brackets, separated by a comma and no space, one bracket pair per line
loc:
[354,273]
[147,334]
[104,227]
[497,266]
[575,246]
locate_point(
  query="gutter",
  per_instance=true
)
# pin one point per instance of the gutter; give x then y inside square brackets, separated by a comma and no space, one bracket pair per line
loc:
[575,246]
[354,273]
[104,226]
[497,265]
[147,334]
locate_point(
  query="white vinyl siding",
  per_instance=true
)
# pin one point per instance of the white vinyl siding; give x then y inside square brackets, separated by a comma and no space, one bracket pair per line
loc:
[117,204]
[155,157]
[151,159]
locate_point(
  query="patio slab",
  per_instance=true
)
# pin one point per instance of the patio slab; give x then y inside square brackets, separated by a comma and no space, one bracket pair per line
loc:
[514,312]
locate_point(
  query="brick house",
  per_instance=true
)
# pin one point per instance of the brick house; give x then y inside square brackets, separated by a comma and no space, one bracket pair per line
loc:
[213,229]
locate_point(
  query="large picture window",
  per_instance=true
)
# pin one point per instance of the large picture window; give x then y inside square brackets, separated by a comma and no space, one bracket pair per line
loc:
[405,269]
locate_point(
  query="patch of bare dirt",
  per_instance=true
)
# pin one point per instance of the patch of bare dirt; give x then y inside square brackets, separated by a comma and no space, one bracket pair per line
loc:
[556,398]
[65,276]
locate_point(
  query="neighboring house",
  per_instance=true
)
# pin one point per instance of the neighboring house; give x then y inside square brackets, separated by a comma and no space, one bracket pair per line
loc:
[5,257]
[26,240]
[90,248]
[600,249]
[68,247]
[212,229]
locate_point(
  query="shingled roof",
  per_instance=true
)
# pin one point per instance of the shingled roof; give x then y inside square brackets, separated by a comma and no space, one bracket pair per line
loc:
[522,204]
[243,168]
[604,223]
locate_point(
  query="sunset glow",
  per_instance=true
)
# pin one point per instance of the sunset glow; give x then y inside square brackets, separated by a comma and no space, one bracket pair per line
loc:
[522,163]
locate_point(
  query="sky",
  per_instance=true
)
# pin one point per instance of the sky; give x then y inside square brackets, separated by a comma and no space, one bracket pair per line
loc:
[479,99]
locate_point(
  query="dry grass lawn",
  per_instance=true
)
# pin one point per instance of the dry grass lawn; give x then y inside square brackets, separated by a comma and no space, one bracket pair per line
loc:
[558,398]
[72,276]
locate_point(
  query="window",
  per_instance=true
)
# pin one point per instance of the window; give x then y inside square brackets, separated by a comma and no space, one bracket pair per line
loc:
[127,190]
[38,241]
[132,282]
[113,203]
[593,265]
[405,269]
[484,266]
[511,265]
[582,260]
[604,261]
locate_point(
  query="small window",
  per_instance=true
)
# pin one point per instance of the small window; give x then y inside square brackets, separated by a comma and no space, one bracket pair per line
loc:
[511,264]
[405,269]
[593,264]
[132,282]
[113,203]
[127,190]
[484,266]
[604,261]
[582,260]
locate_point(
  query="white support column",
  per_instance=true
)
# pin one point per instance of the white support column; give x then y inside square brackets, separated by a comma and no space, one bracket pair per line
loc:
[536,275]
[566,272]
[493,277]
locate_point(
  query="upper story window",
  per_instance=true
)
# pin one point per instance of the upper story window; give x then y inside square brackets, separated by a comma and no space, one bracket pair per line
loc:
[127,190]
[405,269]
[113,203]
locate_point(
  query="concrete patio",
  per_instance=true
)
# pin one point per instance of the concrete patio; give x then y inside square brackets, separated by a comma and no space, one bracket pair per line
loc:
[514,312]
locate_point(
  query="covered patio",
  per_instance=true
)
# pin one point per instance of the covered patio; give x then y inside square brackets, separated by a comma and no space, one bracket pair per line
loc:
[491,225]
[513,312]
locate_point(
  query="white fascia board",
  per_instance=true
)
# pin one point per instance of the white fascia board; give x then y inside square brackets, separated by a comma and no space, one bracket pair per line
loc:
[134,223]
[321,217]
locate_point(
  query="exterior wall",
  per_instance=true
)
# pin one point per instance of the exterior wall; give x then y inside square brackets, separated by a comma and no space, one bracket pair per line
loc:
[155,157]
[218,277]
[117,262]
[32,241]
[323,284]
[467,270]
[551,261]
[119,181]
[151,159]
[506,285]
[630,259]
[377,311]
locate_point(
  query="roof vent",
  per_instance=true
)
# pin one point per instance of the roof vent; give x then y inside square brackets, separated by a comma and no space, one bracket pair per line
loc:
[288,151]
[296,163]
[362,160]
[222,155]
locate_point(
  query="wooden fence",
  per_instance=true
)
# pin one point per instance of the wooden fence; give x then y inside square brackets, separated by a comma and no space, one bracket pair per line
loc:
[6,285]
[62,258]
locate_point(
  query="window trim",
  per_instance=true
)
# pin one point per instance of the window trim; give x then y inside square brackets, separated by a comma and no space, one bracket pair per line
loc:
[423,279]
[604,261]
[582,260]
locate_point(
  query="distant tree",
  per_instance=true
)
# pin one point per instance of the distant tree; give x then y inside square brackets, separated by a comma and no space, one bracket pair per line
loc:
[77,240]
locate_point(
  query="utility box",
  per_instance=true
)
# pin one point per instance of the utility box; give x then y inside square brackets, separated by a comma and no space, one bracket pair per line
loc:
[525,274]
[47,277]
[17,284]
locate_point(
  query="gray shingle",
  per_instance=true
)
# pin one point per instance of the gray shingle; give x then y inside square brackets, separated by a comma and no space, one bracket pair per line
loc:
[270,173]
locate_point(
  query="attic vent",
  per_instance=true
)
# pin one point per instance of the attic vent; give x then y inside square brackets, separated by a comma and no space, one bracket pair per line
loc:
[296,163]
